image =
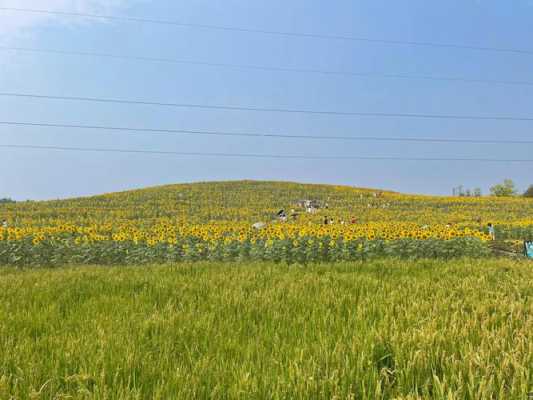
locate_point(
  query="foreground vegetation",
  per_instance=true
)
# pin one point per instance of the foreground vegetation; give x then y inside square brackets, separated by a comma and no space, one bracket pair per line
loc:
[303,250]
[215,221]
[373,330]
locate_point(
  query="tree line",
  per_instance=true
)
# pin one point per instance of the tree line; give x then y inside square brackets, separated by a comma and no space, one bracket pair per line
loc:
[505,189]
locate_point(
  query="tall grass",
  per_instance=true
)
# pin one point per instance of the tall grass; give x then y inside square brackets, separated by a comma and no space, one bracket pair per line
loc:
[377,330]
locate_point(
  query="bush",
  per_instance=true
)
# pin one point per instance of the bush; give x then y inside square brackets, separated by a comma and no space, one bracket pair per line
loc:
[505,189]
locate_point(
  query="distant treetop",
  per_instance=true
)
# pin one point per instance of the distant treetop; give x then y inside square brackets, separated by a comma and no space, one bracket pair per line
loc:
[505,189]
[6,201]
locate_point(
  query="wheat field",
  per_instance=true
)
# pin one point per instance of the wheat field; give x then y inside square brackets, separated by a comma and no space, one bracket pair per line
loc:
[377,330]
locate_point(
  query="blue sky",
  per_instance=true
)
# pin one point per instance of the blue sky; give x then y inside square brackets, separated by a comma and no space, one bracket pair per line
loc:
[40,174]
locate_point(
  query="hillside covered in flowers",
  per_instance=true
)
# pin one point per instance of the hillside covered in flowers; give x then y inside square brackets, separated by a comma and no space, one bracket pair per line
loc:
[256,220]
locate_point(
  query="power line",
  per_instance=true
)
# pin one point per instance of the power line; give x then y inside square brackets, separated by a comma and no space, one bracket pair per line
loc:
[152,131]
[264,109]
[266,68]
[268,32]
[248,155]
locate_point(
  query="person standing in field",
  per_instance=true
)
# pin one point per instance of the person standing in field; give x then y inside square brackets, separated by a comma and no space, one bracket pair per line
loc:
[4,224]
[492,232]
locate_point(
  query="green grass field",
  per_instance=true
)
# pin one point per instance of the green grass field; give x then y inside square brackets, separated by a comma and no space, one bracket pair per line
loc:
[379,330]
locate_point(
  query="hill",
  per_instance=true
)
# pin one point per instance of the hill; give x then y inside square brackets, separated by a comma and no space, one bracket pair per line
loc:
[252,201]
[238,220]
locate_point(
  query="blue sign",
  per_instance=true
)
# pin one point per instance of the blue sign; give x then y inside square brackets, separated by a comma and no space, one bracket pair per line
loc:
[529,249]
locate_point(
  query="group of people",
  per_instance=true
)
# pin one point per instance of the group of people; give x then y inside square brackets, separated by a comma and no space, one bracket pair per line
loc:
[283,216]
[331,221]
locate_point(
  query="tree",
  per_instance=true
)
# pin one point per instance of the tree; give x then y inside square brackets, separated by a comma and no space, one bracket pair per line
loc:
[457,191]
[462,192]
[529,192]
[6,201]
[505,189]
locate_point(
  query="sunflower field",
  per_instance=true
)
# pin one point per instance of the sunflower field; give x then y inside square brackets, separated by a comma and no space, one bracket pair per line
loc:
[239,221]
